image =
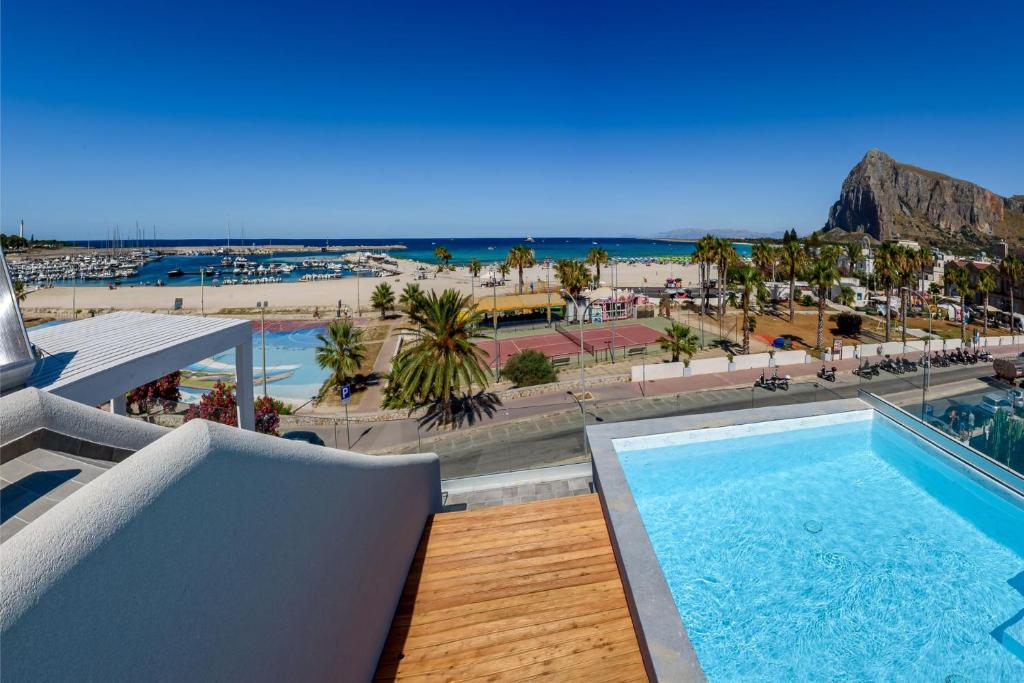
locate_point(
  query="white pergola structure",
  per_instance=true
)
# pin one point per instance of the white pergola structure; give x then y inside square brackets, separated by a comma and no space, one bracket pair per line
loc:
[95,360]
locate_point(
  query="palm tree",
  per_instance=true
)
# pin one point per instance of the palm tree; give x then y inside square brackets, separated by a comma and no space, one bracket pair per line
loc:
[986,283]
[475,267]
[520,257]
[749,278]
[597,257]
[504,269]
[958,276]
[679,340]
[792,258]
[704,255]
[822,276]
[442,360]
[846,296]
[924,262]
[19,291]
[887,269]
[853,252]
[725,255]
[1012,270]
[573,275]
[383,298]
[905,260]
[442,254]
[411,296]
[341,351]
[763,256]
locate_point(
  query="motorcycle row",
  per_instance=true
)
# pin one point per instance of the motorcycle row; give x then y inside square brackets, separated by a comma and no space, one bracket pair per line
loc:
[774,382]
[901,365]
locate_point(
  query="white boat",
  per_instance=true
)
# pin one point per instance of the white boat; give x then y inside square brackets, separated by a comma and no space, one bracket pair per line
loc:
[529,238]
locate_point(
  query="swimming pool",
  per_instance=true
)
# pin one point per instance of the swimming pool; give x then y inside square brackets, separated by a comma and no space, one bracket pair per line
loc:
[292,370]
[839,547]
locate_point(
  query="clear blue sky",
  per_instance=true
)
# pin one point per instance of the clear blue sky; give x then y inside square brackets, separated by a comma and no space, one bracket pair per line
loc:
[347,119]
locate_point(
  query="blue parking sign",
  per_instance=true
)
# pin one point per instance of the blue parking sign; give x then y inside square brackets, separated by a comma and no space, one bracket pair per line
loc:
[346,392]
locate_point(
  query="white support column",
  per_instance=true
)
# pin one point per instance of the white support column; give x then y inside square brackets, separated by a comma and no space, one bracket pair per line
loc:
[243,386]
[119,405]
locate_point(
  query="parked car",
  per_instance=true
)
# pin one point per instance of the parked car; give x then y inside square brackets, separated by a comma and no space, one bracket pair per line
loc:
[1016,397]
[992,404]
[308,437]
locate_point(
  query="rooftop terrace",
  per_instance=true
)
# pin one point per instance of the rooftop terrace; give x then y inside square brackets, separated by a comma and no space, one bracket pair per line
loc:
[513,593]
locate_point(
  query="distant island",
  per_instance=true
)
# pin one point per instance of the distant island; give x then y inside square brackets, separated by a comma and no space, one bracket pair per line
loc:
[690,234]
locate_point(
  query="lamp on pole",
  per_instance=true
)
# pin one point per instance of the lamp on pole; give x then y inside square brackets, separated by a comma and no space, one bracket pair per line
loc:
[581,402]
[615,308]
[494,319]
[262,306]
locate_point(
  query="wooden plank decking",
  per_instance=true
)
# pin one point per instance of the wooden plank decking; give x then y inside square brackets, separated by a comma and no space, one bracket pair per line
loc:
[514,593]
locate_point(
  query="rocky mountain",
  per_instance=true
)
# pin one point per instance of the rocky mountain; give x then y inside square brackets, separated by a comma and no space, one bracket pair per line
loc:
[887,199]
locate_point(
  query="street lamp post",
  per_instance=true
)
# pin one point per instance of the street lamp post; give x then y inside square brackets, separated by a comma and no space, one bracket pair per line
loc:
[615,309]
[494,319]
[262,306]
[581,402]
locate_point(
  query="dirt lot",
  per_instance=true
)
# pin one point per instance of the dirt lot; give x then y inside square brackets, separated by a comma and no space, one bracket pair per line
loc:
[802,331]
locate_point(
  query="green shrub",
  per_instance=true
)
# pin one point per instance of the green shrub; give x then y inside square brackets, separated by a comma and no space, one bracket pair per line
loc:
[849,324]
[530,367]
[807,300]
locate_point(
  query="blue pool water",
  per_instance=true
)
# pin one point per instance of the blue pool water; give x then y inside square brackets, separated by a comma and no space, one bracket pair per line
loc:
[852,552]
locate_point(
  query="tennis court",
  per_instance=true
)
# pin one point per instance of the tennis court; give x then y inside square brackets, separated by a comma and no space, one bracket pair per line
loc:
[559,344]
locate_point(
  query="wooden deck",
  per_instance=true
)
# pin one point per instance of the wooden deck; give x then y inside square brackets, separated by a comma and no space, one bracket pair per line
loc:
[514,593]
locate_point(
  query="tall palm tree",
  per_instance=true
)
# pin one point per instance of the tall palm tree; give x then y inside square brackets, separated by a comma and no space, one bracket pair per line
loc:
[725,255]
[442,360]
[597,257]
[822,275]
[887,269]
[475,267]
[411,296]
[678,339]
[520,257]
[442,254]
[763,256]
[853,252]
[986,283]
[792,257]
[341,351]
[905,260]
[750,279]
[383,298]
[704,255]
[1012,270]
[924,262]
[958,276]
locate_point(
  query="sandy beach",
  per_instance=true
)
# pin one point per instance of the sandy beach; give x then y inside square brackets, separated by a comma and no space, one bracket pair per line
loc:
[303,297]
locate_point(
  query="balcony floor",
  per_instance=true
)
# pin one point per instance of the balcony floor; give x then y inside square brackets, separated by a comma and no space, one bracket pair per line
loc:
[514,593]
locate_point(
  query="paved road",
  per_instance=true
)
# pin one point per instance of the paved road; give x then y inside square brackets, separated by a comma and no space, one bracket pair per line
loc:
[556,438]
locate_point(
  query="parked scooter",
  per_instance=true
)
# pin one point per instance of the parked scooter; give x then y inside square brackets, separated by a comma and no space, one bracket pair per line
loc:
[827,374]
[867,370]
[780,382]
[764,382]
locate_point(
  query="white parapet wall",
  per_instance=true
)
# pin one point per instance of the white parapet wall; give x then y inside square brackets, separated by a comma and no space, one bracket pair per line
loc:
[753,360]
[217,554]
[707,366]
